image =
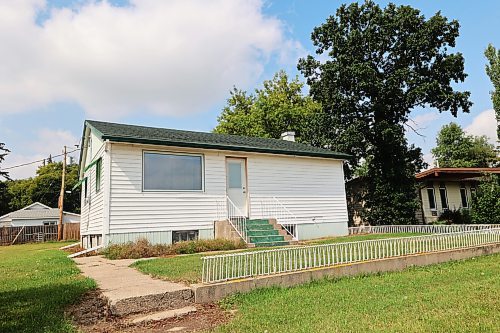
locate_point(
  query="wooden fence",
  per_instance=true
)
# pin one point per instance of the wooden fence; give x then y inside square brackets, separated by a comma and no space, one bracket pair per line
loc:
[39,233]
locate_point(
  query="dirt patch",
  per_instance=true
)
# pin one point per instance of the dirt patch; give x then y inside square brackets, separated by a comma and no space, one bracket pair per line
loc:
[92,309]
[207,316]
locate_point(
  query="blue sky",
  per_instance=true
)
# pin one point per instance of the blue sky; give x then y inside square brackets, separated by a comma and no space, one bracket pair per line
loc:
[172,64]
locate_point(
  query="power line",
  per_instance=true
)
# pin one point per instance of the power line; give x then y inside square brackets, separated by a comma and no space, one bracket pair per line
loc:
[38,161]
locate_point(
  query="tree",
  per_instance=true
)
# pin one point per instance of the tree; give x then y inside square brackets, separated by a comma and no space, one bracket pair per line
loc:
[382,63]
[3,152]
[485,208]
[455,149]
[45,187]
[278,107]
[493,71]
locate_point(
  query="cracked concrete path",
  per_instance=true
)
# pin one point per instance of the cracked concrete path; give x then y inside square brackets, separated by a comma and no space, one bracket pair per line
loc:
[130,291]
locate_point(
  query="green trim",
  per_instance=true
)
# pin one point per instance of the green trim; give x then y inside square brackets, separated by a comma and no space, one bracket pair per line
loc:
[225,147]
[80,182]
[92,164]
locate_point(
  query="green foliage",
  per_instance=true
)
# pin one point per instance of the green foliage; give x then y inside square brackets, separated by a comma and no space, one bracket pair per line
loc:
[143,249]
[276,108]
[486,202]
[382,63]
[493,71]
[3,152]
[45,187]
[457,216]
[455,149]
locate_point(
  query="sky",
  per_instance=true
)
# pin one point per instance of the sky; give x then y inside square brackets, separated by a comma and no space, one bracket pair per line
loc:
[172,64]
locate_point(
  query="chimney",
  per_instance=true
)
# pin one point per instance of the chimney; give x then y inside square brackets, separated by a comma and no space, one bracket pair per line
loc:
[288,136]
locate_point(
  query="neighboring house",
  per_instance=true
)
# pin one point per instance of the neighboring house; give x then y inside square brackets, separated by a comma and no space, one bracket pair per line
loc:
[37,214]
[167,185]
[448,189]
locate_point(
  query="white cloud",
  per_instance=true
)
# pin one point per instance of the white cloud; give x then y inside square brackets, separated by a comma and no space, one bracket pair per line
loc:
[172,57]
[484,124]
[47,142]
[425,118]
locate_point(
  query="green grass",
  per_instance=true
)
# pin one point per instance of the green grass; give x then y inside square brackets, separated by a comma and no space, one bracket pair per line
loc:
[187,268]
[461,296]
[37,282]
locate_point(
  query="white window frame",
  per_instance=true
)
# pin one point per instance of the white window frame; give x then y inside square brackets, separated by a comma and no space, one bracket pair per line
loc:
[179,154]
[434,197]
[443,187]
[464,187]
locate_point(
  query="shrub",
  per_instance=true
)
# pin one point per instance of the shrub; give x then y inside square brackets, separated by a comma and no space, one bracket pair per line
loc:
[486,202]
[143,249]
[459,216]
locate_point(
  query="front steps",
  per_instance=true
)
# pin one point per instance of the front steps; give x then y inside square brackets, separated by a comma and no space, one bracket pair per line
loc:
[266,233]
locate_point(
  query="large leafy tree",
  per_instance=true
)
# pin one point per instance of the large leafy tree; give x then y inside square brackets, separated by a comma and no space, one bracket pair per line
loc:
[493,71]
[374,66]
[278,107]
[45,187]
[455,149]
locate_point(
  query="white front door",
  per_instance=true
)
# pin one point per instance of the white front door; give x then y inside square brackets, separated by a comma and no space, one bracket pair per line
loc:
[236,183]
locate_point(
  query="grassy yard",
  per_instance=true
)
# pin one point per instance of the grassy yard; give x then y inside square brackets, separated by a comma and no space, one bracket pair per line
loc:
[187,268]
[37,282]
[460,296]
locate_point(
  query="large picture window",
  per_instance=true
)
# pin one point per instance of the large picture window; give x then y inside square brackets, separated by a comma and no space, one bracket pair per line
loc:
[172,172]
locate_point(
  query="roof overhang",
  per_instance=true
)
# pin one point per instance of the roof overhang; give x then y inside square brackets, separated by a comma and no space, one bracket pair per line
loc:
[457,174]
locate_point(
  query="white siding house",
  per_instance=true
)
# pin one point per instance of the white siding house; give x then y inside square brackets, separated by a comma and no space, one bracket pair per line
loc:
[36,214]
[165,185]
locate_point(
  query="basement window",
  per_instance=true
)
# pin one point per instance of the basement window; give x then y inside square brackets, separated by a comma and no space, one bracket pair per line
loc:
[184,235]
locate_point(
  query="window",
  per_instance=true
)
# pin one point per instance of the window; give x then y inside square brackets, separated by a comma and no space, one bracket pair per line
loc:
[463,196]
[49,223]
[182,236]
[472,191]
[432,198]
[98,166]
[234,177]
[172,172]
[443,195]
[85,189]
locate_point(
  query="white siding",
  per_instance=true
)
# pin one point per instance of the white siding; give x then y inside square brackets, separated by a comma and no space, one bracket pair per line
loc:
[91,222]
[309,187]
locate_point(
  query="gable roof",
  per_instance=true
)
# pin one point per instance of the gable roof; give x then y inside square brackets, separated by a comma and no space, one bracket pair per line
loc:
[27,213]
[454,172]
[179,138]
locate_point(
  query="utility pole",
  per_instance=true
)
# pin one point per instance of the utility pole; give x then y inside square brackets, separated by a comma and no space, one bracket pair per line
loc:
[61,198]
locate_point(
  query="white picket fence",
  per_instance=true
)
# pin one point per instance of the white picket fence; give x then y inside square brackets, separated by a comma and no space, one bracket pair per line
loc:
[424,229]
[233,266]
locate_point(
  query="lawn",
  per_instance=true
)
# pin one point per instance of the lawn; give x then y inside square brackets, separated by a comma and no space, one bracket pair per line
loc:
[460,296]
[187,268]
[37,281]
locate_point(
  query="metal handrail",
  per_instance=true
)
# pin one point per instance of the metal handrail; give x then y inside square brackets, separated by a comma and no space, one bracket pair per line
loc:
[233,266]
[284,217]
[427,229]
[236,218]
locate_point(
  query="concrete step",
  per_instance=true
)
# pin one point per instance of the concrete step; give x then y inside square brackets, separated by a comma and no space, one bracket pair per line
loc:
[262,232]
[256,227]
[266,239]
[161,315]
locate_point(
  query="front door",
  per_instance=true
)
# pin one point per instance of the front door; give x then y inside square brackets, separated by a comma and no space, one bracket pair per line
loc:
[236,183]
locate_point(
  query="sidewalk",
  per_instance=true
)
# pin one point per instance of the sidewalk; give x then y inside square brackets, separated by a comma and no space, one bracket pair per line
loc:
[129,291]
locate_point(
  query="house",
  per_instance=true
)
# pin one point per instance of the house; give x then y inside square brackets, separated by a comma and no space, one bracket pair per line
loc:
[168,185]
[439,189]
[444,189]
[37,214]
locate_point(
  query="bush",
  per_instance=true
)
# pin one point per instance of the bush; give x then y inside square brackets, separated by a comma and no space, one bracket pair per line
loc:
[143,249]
[459,216]
[486,202]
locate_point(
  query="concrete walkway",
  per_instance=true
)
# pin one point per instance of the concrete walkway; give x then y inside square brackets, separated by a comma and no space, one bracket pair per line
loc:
[129,291]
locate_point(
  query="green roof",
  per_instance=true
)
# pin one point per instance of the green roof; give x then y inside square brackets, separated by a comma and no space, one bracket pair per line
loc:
[179,138]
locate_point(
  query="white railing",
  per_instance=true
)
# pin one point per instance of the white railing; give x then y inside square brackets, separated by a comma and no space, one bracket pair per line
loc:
[233,266]
[227,210]
[424,229]
[273,208]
